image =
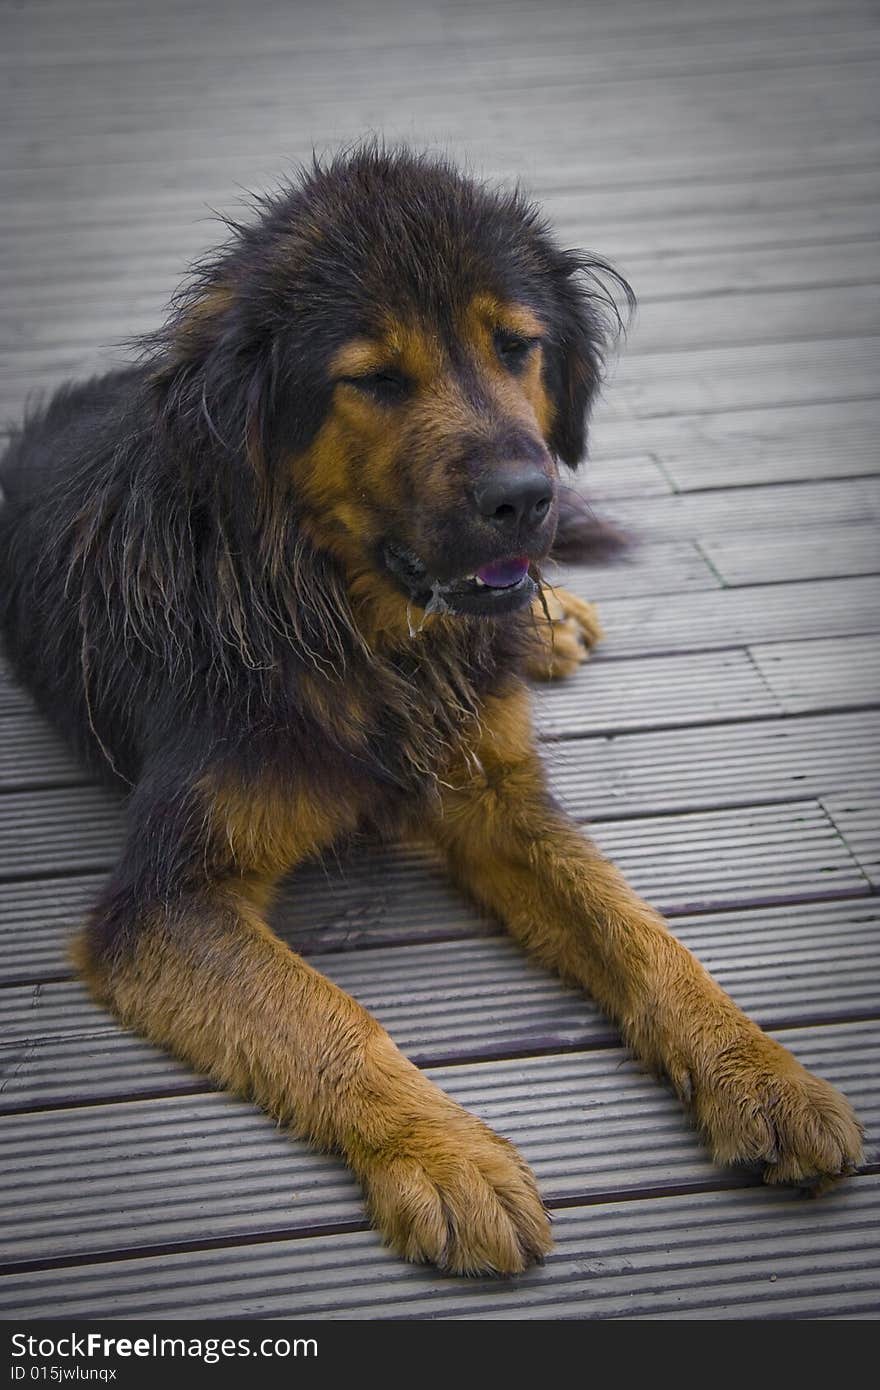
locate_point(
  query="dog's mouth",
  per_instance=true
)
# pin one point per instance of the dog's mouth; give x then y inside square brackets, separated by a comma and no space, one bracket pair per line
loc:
[500,586]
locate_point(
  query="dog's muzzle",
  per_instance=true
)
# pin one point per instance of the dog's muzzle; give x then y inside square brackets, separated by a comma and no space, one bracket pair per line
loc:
[498,587]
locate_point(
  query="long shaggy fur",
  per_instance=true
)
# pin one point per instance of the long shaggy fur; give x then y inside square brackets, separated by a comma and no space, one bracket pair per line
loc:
[154,571]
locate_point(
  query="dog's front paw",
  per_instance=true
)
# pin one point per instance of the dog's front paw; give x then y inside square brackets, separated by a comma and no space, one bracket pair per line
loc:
[456,1195]
[564,641]
[758,1104]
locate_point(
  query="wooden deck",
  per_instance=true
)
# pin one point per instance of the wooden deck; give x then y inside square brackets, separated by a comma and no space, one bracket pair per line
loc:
[723,743]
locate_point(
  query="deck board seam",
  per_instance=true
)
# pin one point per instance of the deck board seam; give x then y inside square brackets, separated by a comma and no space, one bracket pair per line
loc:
[200,1086]
[656,1192]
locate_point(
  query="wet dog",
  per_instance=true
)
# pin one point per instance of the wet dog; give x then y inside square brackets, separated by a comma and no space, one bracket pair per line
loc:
[283,578]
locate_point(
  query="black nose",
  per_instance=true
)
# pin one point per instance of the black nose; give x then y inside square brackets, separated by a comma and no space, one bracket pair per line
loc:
[515,500]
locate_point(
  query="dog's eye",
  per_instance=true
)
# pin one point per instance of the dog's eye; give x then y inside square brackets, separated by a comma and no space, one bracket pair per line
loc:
[512,348]
[386,385]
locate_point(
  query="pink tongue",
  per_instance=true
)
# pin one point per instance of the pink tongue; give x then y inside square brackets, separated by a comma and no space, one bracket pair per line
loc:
[503,574]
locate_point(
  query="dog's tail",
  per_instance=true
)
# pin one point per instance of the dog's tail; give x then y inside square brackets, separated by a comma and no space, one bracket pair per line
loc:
[582,537]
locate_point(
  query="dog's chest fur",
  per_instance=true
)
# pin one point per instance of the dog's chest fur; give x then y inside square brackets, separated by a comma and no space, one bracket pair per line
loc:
[404,717]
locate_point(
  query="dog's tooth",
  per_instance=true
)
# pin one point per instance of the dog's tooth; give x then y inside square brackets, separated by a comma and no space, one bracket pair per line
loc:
[478,580]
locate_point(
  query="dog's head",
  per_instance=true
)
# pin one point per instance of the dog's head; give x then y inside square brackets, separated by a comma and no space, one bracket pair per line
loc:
[407,357]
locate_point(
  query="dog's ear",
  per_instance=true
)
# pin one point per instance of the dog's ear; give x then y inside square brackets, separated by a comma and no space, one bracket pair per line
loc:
[227,381]
[213,377]
[587,320]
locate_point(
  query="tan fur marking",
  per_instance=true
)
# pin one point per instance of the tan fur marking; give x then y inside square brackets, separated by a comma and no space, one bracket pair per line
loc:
[540,401]
[494,313]
[407,347]
[360,356]
[564,631]
[485,314]
[268,828]
[216,300]
[418,351]
[200,316]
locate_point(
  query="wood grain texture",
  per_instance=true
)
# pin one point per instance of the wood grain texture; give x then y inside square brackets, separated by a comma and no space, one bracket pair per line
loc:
[732,1254]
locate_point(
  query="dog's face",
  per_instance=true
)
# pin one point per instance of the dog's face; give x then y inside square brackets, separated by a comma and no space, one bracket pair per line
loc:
[419,358]
[433,457]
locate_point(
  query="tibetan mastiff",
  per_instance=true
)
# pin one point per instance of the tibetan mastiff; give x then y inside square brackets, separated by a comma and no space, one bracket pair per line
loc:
[283,577]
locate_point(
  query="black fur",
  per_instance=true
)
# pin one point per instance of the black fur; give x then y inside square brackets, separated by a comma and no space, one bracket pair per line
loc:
[157,594]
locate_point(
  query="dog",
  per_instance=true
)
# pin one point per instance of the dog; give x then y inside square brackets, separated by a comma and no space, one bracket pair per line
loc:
[282,577]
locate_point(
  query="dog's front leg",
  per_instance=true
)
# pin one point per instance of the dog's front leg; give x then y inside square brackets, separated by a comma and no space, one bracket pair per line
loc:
[179,949]
[521,857]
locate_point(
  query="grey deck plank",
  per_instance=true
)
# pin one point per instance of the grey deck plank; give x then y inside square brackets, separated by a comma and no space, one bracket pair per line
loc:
[51,832]
[857,819]
[653,692]
[821,674]
[480,1000]
[706,218]
[732,207]
[726,618]
[738,205]
[13,699]
[706,380]
[722,859]
[669,567]
[161,243]
[791,118]
[709,216]
[734,1254]
[646,385]
[705,687]
[712,376]
[258,166]
[716,766]
[716,320]
[833,552]
[800,111]
[637,475]
[33,754]
[665,273]
[744,228]
[705,31]
[37,920]
[747,511]
[382,896]
[169,1172]
[739,448]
